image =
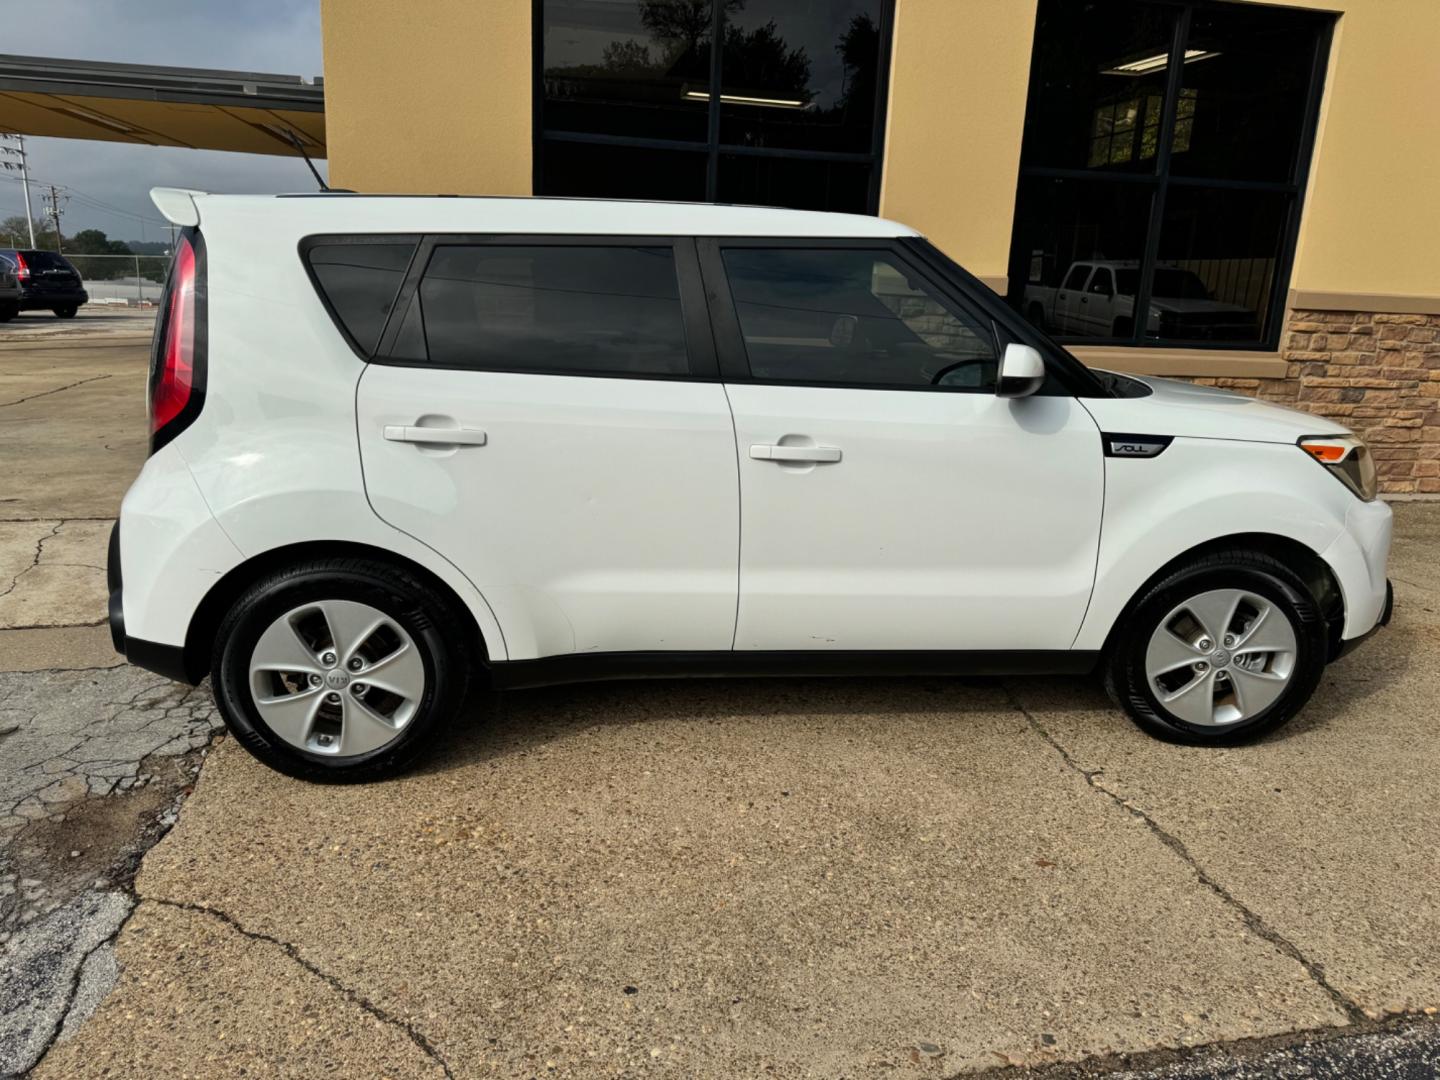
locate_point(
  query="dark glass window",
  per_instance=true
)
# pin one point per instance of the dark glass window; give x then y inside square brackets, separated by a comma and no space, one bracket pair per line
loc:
[582,310]
[360,281]
[638,85]
[618,67]
[604,171]
[1167,142]
[800,184]
[854,318]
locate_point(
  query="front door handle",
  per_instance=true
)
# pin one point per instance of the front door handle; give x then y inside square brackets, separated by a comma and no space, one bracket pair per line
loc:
[766,452]
[435,436]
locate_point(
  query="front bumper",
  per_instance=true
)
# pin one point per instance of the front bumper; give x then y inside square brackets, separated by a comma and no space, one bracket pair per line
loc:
[1349,645]
[167,660]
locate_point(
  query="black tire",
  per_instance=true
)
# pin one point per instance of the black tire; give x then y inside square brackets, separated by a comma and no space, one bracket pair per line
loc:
[8,311]
[67,311]
[419,609]
[1124,668]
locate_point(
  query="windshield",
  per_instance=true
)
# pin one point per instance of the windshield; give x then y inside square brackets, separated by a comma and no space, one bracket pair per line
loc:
[1177,284]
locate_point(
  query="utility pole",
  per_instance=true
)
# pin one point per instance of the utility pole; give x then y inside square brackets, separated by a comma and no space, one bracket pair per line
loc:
[5,163]
[53,211]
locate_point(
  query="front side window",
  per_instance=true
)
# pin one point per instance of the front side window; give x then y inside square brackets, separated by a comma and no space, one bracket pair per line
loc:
[555,309]
[1172,141]
[635,102]
[853,318]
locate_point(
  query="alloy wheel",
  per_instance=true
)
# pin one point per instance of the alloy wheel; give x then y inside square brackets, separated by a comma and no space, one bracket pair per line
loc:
[336,677]
[1221,657]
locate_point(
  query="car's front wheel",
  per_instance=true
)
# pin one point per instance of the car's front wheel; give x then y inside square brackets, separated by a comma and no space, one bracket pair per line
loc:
[67,311]
[338,669]
[1223,650]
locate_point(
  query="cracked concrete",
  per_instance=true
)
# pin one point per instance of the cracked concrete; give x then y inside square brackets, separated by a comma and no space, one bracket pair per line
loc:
[1252,919]
[72,735]
[52,573]
[56,974]
[274,1018]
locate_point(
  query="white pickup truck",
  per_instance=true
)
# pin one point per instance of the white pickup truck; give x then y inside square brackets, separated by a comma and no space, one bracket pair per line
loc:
[1097,299]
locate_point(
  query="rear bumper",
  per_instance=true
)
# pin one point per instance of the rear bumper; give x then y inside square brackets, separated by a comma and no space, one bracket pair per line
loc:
[32,301]
[167,660]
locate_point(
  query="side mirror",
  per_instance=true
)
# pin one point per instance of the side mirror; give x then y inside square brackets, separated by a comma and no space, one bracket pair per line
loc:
[1022,372]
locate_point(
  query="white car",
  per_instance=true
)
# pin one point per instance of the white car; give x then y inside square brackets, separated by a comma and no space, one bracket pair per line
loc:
[401,444]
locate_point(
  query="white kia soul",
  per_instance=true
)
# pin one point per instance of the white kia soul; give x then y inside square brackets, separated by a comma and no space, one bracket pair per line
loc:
[402,443]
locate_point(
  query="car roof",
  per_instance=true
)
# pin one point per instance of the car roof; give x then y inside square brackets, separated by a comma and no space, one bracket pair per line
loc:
[321,211]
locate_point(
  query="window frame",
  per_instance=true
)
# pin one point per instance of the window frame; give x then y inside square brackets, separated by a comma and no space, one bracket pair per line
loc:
[730,341]
[1162,179]
[711,146]
[699,343]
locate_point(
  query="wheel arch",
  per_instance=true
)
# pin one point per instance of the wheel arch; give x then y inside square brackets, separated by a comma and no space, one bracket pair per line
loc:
[1304,560]
[200,636]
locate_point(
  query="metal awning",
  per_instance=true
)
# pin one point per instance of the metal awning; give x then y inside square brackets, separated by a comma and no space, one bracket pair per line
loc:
[245,111]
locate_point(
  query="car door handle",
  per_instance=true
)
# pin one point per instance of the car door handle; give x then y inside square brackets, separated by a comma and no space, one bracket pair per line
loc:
[766,452]
[435,436]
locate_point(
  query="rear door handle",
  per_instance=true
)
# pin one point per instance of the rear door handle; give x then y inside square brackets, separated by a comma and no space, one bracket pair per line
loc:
[766,452]
[435,436]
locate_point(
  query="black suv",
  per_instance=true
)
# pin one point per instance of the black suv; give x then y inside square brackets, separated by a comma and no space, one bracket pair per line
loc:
[47,280]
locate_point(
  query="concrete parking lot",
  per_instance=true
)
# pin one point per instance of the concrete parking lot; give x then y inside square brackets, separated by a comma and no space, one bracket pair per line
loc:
[801,878]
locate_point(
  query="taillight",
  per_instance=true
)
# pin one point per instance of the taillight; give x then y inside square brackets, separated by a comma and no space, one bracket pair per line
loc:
[22,271]
[176,380]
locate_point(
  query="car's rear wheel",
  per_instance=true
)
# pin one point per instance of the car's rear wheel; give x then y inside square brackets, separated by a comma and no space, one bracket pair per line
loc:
[338,670]
[8,311]
[1223,650]
[66,311]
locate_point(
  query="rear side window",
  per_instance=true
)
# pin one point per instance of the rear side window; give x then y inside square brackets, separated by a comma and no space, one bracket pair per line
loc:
[558,309]
[359,281]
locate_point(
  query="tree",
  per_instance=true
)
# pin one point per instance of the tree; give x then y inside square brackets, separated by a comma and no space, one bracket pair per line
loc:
[15,234]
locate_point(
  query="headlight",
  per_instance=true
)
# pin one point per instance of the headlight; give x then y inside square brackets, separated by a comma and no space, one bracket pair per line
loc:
[1348,459]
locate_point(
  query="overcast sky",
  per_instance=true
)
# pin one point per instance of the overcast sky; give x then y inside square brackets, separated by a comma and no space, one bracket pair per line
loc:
[280,36]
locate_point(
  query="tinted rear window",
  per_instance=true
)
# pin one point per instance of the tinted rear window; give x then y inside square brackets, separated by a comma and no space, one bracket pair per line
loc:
[581,310]
[360,280]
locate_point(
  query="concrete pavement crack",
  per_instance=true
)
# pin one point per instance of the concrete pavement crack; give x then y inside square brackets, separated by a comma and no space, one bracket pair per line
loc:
[56,390]
[359,999]
[76,978]
[1252,919]
[39,551]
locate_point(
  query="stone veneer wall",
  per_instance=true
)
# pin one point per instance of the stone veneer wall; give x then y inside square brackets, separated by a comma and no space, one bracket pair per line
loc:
[1375,373]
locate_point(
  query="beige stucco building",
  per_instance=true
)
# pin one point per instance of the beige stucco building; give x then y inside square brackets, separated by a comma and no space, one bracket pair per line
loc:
[1292,210]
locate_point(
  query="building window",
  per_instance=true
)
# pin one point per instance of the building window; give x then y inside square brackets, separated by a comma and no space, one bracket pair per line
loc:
[1165,153]
[634,101]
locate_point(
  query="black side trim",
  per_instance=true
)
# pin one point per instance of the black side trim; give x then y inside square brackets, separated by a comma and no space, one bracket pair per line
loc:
[597,667]
[167,660]
[1119,444]
[113,585]
[1345,648]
